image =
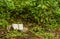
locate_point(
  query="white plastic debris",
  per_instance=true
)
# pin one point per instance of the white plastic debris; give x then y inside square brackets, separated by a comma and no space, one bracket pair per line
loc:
[20,26]
[15,26]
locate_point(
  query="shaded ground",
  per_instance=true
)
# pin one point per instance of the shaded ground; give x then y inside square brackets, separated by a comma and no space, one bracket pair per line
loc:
[3,32]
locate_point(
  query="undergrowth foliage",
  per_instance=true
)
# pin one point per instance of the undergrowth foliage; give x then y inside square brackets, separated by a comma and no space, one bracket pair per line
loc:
[43,12]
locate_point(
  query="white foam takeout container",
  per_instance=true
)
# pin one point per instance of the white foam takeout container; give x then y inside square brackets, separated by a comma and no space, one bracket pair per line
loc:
[17,26]
[20,26]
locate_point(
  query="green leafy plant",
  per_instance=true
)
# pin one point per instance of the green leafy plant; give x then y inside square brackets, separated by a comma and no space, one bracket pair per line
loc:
[37,31]
[3,23]
[45,13]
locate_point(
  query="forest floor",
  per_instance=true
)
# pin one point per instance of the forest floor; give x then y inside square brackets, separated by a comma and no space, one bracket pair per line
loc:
[4,34]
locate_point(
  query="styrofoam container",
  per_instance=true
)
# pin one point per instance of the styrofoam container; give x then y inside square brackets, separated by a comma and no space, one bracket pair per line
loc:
[20,26]
[15,26]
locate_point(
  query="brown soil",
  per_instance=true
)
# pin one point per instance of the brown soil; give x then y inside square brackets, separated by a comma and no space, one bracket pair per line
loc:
[3,32]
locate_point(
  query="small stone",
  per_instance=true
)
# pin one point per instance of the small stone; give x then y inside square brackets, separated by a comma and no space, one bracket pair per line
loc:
[25,29]
[9,28]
